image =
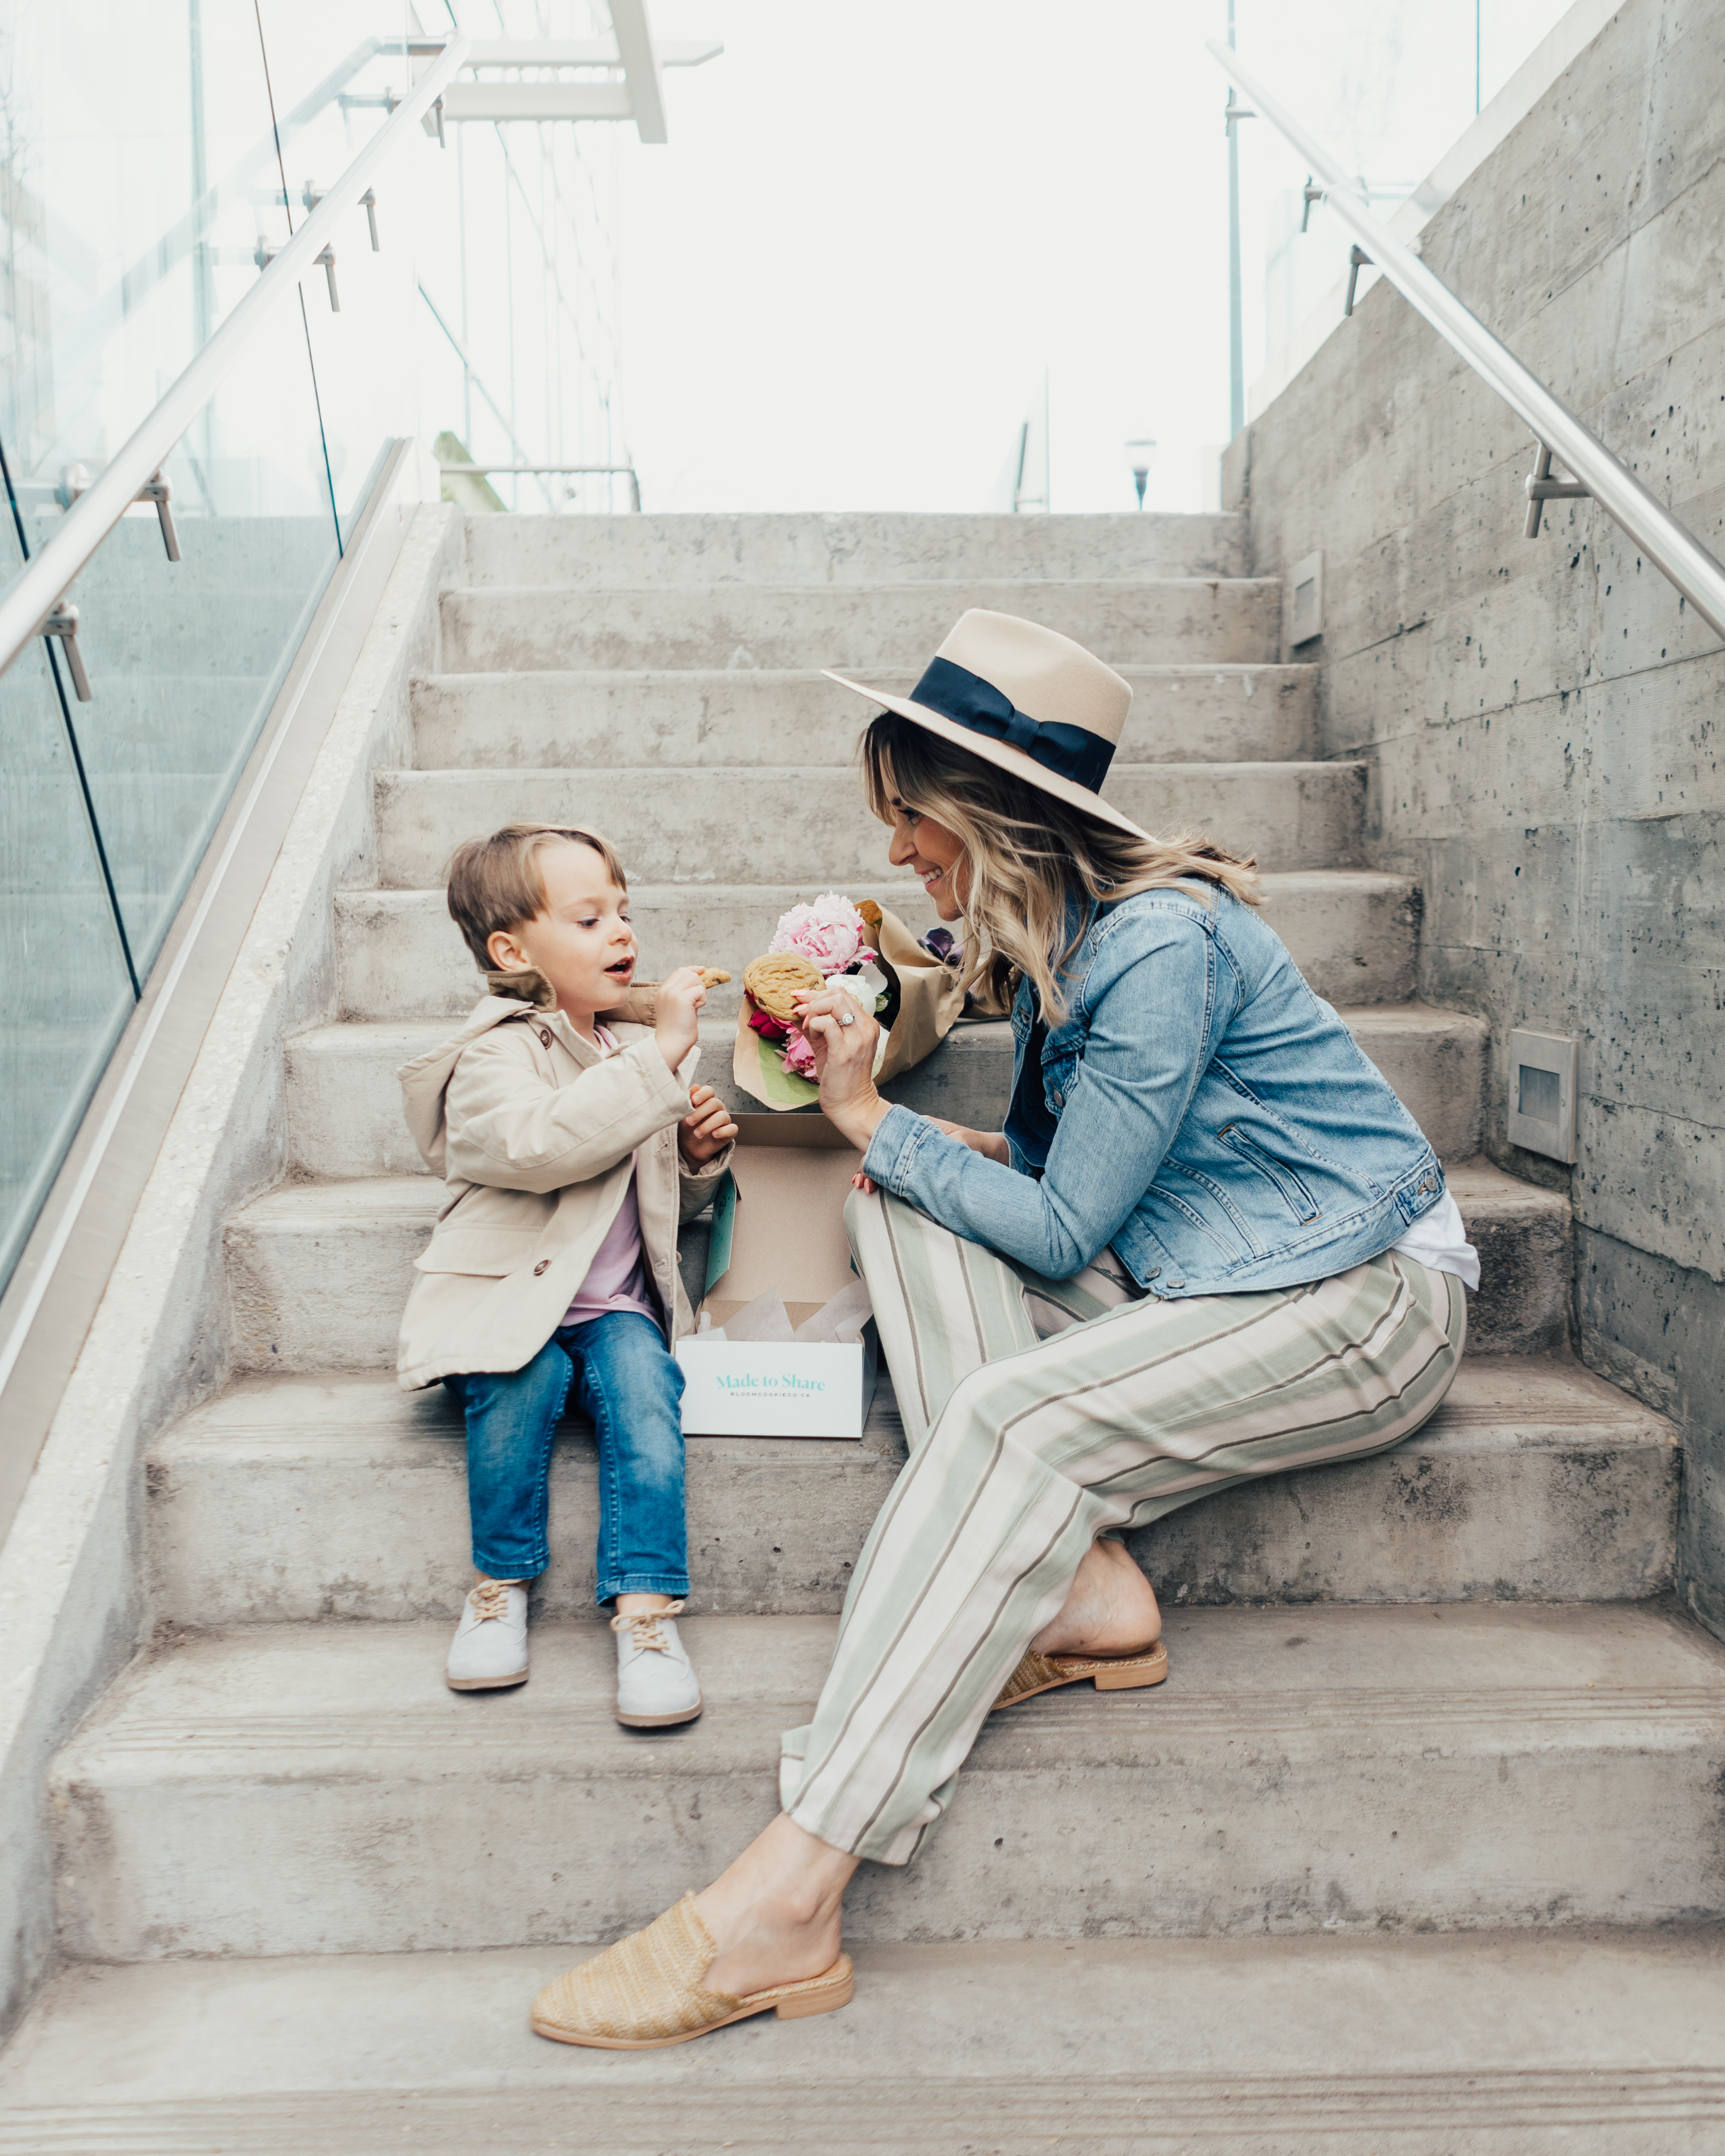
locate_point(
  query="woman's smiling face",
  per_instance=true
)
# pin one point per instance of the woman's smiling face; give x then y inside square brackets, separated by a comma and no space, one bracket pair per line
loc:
[936,854]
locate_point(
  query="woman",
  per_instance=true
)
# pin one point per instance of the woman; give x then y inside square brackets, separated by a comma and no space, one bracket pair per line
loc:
[1208,1244]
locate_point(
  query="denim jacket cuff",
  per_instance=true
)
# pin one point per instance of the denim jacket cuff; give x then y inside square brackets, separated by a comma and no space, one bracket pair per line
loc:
[898,1136]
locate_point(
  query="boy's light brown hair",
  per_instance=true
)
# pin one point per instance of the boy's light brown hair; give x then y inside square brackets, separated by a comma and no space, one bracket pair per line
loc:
[497,883]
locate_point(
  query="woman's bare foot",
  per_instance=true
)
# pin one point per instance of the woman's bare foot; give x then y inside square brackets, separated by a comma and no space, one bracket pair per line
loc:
[775,1914]
[1111,1610]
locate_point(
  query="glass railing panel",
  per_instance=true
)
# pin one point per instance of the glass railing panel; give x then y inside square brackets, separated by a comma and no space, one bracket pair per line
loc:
[185,658]
[366,353]
[141,186]
[65,994]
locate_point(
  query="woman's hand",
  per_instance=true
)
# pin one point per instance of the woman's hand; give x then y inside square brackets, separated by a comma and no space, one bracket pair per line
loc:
[676,1007]
[707,1130]
[845,1038]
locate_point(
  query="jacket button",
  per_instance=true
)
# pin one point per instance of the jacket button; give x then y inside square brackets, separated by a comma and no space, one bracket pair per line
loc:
[542,1265]
[1060,1098]
[544,1038]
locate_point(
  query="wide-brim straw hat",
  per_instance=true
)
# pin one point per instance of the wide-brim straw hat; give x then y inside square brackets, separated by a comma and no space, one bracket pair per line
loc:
[1027,699]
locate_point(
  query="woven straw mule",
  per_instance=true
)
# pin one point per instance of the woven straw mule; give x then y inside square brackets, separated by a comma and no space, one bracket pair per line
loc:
[1038,1673]
[646,1991]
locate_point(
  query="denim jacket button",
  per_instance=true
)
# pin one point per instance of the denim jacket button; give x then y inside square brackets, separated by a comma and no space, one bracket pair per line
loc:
[540,1267]
[1060,1098]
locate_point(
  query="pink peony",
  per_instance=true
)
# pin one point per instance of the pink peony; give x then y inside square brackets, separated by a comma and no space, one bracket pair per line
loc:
[799,1055]
[768,1027]
[831,933]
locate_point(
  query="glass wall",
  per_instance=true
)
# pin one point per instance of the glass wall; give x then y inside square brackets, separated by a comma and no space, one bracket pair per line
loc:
[1391,90]
[520,294]
[151,160]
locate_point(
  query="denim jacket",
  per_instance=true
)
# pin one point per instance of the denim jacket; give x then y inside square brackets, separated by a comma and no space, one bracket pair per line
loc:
[1199,1109]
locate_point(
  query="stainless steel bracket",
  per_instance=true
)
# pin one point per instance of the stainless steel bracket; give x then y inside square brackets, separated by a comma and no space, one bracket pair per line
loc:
[157,488]
[368,202]
[328,259]
[1542,488]
[1357,259]
[1312,194]
[62,622]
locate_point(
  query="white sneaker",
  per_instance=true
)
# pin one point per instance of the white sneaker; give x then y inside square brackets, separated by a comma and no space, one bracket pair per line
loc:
[489,1647]
[656,1685]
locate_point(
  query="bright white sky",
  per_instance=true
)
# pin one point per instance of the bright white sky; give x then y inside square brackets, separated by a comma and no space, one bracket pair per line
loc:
[874,228]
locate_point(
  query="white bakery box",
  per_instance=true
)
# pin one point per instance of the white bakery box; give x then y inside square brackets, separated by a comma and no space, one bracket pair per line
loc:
[778,1239]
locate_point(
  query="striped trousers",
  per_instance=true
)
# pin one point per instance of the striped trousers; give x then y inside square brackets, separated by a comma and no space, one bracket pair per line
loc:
[1038,1414]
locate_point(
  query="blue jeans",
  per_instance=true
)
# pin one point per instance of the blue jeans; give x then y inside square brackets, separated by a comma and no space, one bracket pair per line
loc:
[632,1386]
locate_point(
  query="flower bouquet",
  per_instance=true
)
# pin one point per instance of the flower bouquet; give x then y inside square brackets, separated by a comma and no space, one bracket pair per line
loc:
[821,945]
[913,986]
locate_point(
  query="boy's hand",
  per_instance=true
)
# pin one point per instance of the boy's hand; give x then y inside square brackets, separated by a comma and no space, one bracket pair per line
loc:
[676,1023]
[707,1130]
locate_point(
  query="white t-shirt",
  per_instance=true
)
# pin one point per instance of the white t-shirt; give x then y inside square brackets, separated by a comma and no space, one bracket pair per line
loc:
[1439,1239]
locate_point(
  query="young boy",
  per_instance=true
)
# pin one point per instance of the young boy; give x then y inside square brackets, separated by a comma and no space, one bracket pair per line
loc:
[572,1148]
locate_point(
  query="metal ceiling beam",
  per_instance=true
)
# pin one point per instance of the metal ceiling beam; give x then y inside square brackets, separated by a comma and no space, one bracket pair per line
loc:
[641,66]
[582,52]
[539,100]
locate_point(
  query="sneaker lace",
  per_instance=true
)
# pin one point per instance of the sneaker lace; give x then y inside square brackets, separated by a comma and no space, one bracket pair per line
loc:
[647,1627]
[490,1600]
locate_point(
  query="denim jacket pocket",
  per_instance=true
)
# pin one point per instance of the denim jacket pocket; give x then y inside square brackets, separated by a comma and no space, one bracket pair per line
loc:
[1293,1193]
[1060,1075]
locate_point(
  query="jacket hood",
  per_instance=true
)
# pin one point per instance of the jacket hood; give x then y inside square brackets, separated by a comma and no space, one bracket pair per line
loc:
[425,1081]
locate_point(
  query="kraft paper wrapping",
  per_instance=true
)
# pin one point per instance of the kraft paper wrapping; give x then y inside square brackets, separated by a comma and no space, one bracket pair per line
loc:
[930,998]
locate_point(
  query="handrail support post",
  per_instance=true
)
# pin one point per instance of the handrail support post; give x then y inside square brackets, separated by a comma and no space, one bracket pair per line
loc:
[158,488]
[62,622]
[1542,488]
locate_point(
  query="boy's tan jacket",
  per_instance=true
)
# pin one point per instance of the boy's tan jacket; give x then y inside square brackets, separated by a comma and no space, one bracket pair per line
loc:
[532,1130]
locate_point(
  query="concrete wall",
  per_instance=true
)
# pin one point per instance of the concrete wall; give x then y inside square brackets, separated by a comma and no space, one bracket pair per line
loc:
[1542,719]
[72,1608]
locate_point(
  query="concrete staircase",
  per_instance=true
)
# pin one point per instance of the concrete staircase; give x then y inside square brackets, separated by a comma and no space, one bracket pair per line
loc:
[1428,1714]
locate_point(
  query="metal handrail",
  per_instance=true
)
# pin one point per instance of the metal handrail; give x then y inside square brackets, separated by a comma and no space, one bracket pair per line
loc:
[1674,552]
[35,595]
[529,471]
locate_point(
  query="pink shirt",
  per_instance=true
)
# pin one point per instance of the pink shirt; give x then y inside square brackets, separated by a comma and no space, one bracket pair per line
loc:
[617,1278]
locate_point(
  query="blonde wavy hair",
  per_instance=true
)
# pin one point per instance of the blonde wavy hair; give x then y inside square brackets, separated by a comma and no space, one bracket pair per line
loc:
[1030,856]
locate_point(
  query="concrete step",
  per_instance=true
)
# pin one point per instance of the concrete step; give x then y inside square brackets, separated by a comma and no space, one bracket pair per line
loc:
[1134,622]
[318,1790]
[1354,933]
[290,1499]
[319,1272]
[344,1102]
[595,552]
[723,824]
[589,721]
[345,1115]
[1602,2043]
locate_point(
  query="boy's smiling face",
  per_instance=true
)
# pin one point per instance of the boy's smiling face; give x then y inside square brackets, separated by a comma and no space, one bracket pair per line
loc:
[582,941]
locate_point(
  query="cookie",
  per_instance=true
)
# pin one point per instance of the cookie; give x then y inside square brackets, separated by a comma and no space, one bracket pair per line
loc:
[774,982]
[713,976]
